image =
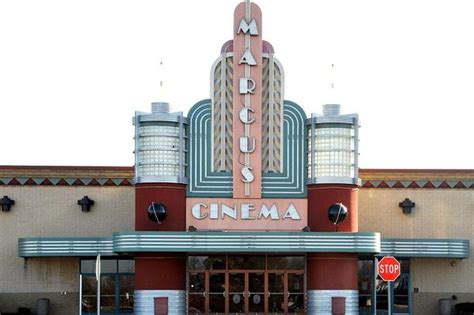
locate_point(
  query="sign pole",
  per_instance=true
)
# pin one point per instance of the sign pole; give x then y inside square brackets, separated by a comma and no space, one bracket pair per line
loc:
[389,288]
[374,284]
[97,275]
[389,269]
[80,294]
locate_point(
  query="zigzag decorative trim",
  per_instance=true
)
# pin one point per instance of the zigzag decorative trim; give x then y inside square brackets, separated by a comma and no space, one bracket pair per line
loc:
[460,184]
[66,181]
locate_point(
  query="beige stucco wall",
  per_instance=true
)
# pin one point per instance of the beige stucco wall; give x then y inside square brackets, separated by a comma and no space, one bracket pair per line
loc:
[439,213]
[53,211]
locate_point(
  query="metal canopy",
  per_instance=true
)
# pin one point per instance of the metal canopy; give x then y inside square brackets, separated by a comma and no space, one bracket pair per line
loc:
[425,248]
[244,242]
[65,246]
[247,242]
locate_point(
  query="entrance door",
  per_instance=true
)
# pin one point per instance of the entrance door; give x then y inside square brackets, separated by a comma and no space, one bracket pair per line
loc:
[217,289]
[246,292]
[237,292]
[256,292]
[216,301]
[286,292]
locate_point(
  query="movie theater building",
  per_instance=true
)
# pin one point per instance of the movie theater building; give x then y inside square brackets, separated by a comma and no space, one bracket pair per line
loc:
[246,205]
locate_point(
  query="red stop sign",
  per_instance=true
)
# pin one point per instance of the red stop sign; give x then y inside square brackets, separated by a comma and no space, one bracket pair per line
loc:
[388,268]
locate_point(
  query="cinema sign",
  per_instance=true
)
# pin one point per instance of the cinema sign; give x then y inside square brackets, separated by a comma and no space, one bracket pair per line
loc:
[246,214]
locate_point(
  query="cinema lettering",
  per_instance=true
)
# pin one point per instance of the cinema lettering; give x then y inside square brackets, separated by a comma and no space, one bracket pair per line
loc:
[277,214]
[244,211]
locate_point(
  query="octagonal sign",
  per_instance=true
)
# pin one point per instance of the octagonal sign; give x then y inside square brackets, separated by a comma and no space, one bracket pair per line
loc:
[388,268]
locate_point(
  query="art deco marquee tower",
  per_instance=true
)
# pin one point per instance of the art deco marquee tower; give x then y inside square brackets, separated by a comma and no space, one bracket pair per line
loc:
[248,171]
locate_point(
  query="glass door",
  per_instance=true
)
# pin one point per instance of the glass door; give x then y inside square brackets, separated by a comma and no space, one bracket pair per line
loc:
[116,294]
[246,292]
[246,284]
[217,293]
[197,293]
[276,292]
[295,294]
[237,293]
[256,292]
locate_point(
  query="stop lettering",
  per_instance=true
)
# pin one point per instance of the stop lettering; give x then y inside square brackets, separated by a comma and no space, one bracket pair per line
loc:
[388,268]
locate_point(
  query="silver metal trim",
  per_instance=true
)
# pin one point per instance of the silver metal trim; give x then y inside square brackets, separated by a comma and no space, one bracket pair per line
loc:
[162,179]
[64,247]
[319,301]
[246,242]
[447,248]
[333,180]
[173,117]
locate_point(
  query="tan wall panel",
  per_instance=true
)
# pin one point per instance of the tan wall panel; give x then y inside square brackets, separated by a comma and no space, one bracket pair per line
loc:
[437,275]
[439,213]
[53,211]
[428,303]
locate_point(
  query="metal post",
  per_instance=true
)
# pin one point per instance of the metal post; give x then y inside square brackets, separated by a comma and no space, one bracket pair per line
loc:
[389,297]
[98,296]
[97,275]
[80,294]
[374,285]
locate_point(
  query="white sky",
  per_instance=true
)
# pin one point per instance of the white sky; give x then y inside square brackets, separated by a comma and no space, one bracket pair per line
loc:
[72,73]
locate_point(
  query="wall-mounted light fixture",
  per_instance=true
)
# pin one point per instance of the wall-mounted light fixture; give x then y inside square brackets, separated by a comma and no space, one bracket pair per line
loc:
[86,203]
[157,212]
[337,213]
[406,205]
[6,203]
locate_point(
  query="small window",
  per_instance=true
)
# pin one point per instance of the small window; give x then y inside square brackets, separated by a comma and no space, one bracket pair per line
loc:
[247,262]
[117,286]
[126,266]
[206,262]
[87,266]
[108,266]
[286,262]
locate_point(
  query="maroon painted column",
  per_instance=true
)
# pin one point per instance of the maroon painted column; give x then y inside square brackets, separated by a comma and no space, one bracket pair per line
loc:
[159,179]
[173,196]
[160,271]
[322,196]
[333,179]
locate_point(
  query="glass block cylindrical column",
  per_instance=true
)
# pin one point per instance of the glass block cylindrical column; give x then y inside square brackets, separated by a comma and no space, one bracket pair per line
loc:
[333,178]
[160,178]
[333,147]
[160,146]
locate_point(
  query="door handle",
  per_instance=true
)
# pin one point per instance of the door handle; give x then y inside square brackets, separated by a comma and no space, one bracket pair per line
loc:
[204,293]
[224,294]
[268,294]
